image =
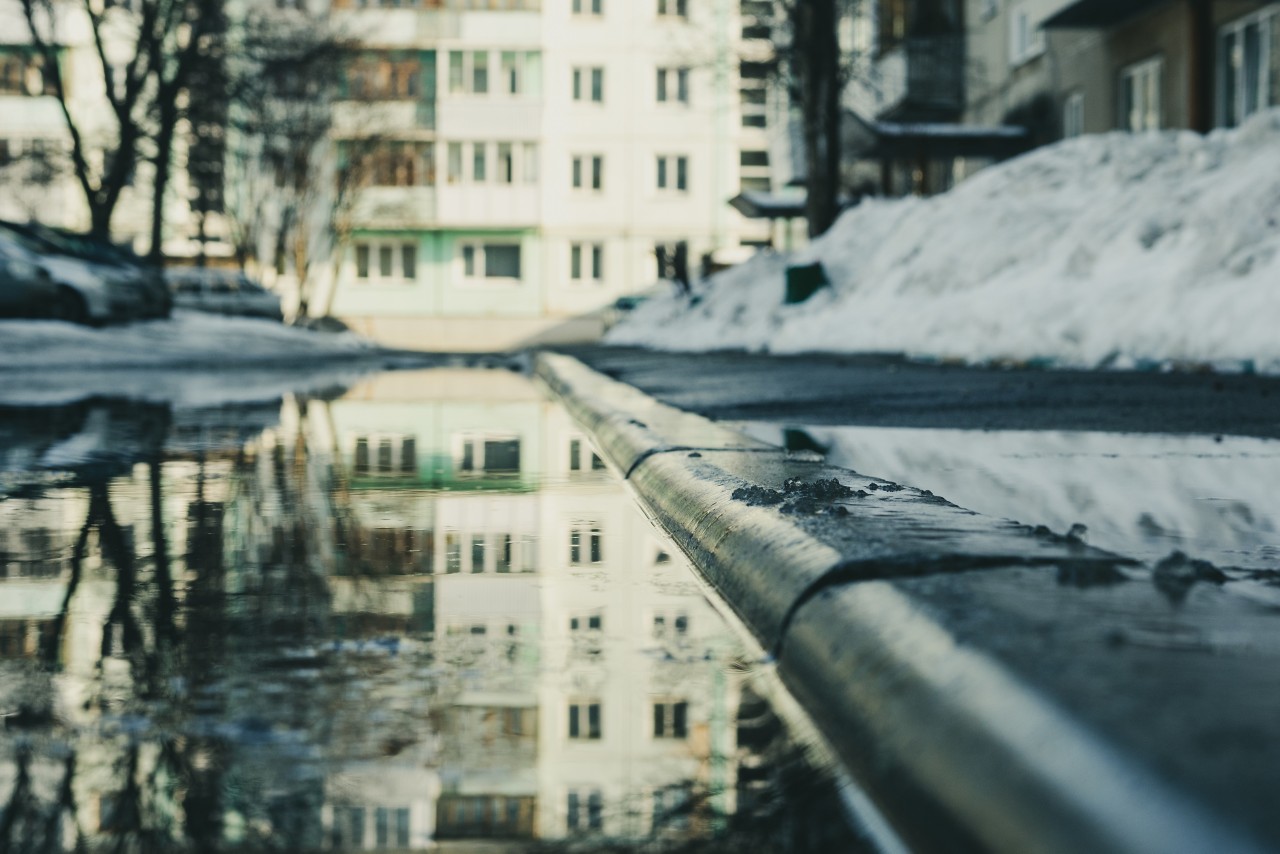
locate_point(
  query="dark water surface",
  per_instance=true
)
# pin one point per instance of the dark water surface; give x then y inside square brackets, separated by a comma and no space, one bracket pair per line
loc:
[415,614]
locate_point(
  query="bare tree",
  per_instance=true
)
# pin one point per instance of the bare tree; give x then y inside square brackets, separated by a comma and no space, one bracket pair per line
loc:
[287,190]
[814,68]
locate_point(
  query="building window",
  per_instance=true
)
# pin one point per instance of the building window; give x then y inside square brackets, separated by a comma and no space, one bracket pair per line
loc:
[673,173]
[1140,96]
[488,455]
[468,72]
[506,163]
[673,8]
[1026,39]
[673,86]
[1073,115]
[383,78]
[396,262]
[586,544]
[588,84]
[453,169]
[588,172]
[1248,67]
[588,7]
[22,73]
[671,719]
[519,71]
[582,458]
[584,720]
[586,263]
[479,162]
[494,263]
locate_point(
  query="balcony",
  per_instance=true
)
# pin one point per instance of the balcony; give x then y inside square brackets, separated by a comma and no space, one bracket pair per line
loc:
[395,208]
[922,79]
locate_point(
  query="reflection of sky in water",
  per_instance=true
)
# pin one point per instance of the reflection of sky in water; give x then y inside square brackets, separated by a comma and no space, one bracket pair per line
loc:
[1141,495]
[419,612]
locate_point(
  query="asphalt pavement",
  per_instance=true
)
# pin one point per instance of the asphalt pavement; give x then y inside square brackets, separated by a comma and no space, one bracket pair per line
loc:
[889,391]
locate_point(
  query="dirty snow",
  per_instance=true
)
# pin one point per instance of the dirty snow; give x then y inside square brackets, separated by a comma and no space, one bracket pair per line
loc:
[1106,250]
[190,360]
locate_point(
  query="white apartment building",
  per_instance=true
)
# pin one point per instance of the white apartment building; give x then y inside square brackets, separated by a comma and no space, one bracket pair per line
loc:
[524,159]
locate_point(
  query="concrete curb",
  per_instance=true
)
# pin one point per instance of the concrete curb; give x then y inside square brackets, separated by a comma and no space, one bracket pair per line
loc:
[958,752]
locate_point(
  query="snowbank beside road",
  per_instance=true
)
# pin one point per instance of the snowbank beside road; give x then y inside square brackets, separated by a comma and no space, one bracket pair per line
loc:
[1114,249]
[187,339]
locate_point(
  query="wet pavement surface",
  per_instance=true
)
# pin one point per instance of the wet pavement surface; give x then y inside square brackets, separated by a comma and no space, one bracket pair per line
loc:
[413,613]
[888,391]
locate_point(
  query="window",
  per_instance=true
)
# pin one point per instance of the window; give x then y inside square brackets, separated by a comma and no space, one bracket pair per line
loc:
[1073,115]
[1026,39]
[584,720]
[582,458]
[506,163]
[394,164]
[588,84]
[1140,96]
[384,263]
[588,7]
[495,455]
[673,85]
[479,162]
[452,553]
[495,263]
[454,167]
[1248,59]
[673,173]
[469,72]
[582,179]
[673,8]
[586,544]
[22,73]
[586,264]
[383,78]
[671,719]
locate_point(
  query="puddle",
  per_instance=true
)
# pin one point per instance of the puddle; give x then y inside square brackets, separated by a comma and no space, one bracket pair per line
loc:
[1143,496]
[417,613]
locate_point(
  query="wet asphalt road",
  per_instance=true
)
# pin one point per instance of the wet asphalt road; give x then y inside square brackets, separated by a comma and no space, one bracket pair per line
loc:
[888,391]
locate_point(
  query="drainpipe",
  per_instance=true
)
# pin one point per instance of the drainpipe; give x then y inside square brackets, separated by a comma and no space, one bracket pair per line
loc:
[1200,65]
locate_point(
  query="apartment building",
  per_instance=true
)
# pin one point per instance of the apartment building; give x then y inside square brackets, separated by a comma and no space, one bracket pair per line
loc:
[524,159]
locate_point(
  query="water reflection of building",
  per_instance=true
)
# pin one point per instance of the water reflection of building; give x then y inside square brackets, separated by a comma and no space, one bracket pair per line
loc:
[580,687]
[418,616]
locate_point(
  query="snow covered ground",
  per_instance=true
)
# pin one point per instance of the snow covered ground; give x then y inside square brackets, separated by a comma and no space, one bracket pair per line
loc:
[190,360]
[1107,250]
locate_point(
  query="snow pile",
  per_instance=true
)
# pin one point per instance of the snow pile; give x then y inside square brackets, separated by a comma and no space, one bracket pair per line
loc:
[1113,249]
[189,338]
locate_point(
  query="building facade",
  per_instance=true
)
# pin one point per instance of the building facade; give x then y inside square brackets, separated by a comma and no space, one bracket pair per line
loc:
[520,162]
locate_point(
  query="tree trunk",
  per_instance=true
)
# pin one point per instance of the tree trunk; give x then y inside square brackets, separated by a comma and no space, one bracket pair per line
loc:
[160,185]
[816,59]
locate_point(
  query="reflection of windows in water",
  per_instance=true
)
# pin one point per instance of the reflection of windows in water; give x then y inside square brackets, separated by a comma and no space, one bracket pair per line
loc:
[477,552]
[348,827]
[585,809]
[671,719]
[582,458]
[519,721]
[479,629]
[503,559]
[382,819]
[590,622]
[585,544]
[452,552]
[484,816]
[385,456]
[584,720]
[666,623]
[493,456]
[671,808]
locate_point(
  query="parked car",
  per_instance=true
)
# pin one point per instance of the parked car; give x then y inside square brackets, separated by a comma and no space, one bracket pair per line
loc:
[96,282]
[220,291]
[26,290]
